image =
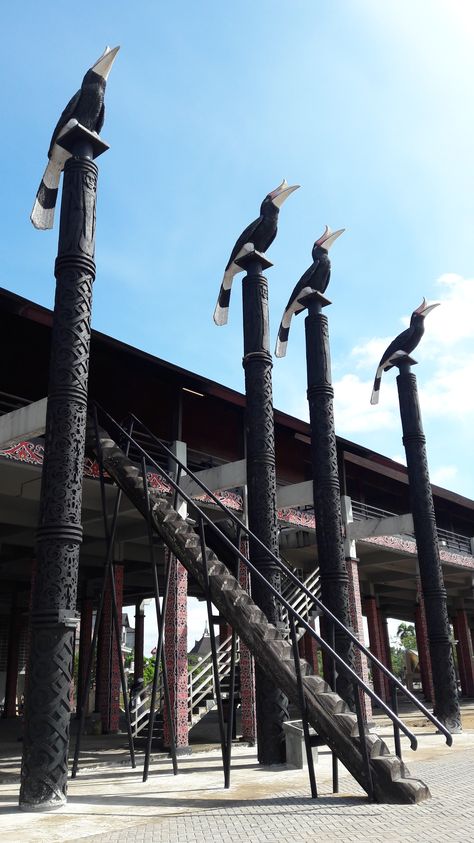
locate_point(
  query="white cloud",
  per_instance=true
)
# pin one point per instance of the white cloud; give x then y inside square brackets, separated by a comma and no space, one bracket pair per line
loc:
[452,322]
[353,411]
[443,475]
[369,353]
[449,393]
[401,458]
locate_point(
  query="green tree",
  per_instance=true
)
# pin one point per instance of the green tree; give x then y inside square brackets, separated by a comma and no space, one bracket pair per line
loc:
[407,636]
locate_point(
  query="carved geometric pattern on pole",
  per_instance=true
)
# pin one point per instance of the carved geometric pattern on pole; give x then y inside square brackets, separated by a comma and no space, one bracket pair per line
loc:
[326,491]
[271,702]
[48,703]
[431,574]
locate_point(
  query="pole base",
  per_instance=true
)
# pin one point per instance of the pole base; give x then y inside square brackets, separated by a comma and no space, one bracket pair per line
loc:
[39,807]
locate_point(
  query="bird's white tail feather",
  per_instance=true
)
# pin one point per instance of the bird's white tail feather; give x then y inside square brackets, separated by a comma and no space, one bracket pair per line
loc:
[220,315]
[374,398]
[221,311]
[280,348]
[43,217]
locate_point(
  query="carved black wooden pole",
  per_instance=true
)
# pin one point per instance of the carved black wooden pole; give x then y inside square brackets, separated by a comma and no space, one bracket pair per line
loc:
[53,618]
[248,254]
[308,294]
[446,706]
[272,704]
[326,491]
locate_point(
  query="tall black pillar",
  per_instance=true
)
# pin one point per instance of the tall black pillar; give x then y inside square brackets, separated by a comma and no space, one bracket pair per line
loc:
[271,702]
[326,491]
[446,706]
[53,615]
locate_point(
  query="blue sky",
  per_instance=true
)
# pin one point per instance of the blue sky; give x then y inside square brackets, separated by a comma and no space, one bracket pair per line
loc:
[366,104]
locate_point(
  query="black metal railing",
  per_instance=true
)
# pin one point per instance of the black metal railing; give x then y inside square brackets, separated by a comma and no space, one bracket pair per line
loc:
[332,622]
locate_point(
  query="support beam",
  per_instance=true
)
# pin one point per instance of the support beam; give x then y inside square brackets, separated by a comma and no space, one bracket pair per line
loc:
[393,525]
[23,424]
[226,476]
[297,494]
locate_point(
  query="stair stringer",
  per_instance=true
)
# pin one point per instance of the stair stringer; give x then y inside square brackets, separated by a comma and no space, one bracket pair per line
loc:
[326,711]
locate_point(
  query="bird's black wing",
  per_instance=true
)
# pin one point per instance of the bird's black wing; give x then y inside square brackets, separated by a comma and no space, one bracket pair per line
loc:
[325,281]
[100,119]
[245,237]
[398,344]
[65,116]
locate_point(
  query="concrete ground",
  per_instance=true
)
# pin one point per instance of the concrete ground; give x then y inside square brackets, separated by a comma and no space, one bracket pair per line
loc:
[111,803]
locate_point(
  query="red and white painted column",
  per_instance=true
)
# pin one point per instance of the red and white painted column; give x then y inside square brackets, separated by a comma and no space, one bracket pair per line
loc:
[85,641]
[465,654]
[176,654]
[422,641]
[377,646]
[309,649]
[139,640]
[108,688]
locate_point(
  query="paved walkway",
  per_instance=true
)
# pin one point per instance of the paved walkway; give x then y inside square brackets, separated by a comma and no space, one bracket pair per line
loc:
[114,806]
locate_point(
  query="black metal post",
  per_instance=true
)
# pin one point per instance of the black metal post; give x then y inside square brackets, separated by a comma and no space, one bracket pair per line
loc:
[53,616]
[326,491]
[271,702]
[303,710]
[446,707]
[110,544]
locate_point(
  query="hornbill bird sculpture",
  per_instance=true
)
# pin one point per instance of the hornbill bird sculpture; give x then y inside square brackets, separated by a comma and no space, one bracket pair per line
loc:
[87,108]
[314,280]
[402,345]
[257,237]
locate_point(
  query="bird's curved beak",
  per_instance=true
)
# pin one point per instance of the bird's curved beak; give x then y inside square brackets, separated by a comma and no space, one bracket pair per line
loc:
[425,308]
[103,65]
[329,237]
[282,192]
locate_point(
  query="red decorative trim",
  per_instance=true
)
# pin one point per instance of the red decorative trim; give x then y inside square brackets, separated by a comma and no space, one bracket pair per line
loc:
[33,453]
[296,516]
[157,483]
[30,452]
[409,546]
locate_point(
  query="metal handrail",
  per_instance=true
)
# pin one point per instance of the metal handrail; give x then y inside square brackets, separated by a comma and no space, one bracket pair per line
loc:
[449,538]
[199,687]
[350,673]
